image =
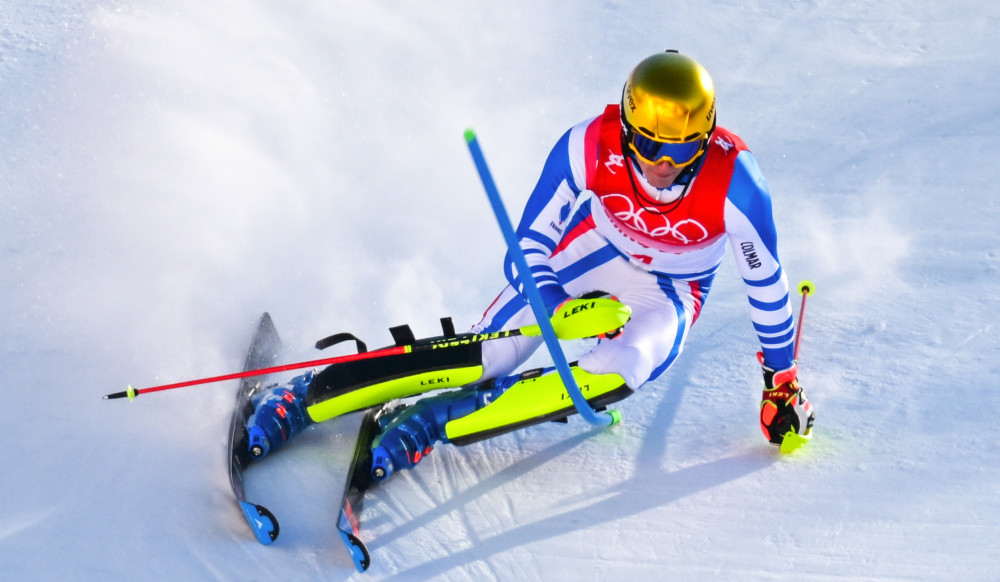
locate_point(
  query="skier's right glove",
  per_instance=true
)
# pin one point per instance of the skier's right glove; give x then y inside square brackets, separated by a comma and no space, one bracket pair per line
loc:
[625,314]
[595,314]
[784,407]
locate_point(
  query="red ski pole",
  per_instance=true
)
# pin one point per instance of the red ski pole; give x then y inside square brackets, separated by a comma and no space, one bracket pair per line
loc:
[805,288]
[131,392]
[583,318]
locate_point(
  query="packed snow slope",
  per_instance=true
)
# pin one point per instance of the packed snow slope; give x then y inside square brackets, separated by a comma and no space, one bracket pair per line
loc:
[170,170]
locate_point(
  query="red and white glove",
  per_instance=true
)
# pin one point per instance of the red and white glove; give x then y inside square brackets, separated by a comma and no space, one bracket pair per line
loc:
[784,407]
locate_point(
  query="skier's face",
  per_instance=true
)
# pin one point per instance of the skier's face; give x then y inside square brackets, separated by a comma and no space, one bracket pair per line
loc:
[660,175]
[660,161]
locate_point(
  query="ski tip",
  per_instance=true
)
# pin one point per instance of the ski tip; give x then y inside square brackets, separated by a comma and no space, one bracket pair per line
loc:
[470,135]
[262,522]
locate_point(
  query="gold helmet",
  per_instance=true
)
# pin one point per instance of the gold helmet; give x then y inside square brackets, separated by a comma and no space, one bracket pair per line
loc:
[669,99]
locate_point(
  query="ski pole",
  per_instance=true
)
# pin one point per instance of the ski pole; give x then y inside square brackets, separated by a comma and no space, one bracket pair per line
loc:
[131,392]
[805,288]
[534,297]
[585,318]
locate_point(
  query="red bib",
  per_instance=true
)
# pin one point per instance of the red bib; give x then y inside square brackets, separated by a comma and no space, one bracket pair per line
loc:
[696,221]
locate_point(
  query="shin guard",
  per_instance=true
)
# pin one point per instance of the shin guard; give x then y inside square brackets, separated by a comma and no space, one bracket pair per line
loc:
[534,398]
[356,385]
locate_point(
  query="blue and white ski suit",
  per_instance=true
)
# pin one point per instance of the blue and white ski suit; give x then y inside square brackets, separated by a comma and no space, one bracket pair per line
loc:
[591,223]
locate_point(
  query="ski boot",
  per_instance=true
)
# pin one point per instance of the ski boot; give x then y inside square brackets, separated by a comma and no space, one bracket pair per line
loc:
[279,415]
[409,433]
[531,397]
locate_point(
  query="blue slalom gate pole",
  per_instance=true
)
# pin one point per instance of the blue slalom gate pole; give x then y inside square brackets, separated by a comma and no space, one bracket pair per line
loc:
[534,297]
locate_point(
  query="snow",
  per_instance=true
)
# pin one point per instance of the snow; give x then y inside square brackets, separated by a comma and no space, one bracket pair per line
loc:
[170,170]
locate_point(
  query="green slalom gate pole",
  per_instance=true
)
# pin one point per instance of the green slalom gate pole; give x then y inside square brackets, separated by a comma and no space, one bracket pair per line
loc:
[534,297]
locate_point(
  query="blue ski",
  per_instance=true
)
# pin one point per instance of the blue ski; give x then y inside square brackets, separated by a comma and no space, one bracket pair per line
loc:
[359,480]
[263,352]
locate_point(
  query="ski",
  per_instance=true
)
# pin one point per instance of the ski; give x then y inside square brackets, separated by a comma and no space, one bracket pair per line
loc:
[262,353]
[359,480]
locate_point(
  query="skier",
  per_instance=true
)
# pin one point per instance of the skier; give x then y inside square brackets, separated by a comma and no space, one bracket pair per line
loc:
[638,203]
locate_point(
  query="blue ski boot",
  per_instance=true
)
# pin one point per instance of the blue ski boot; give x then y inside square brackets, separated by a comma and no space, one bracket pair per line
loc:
[279,415]
[410,432]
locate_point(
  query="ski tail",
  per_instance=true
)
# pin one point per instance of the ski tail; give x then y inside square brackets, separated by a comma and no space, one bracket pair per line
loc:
[359,480]
[263,352]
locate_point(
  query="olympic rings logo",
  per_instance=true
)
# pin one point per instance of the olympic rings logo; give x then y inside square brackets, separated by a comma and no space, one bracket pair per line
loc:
[656,226]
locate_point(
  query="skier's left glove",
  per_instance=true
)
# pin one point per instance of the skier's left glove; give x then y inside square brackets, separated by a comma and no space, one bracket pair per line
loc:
[784,407]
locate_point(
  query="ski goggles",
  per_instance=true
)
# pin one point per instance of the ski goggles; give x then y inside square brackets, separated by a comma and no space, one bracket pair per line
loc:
[653,152]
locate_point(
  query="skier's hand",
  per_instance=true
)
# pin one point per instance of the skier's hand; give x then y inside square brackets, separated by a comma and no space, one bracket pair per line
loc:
[613,333]
[594,314]
[784,407]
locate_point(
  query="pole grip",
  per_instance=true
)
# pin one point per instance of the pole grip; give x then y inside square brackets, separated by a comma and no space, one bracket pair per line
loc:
[805,288]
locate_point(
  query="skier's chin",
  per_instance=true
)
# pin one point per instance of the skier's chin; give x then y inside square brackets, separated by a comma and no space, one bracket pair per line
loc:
[661,175]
